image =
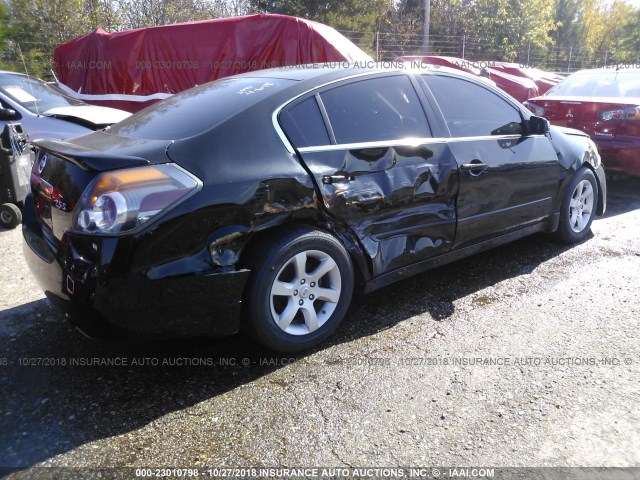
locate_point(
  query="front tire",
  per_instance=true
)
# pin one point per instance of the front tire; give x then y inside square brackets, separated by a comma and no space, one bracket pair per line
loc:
[579,206]
[299,291]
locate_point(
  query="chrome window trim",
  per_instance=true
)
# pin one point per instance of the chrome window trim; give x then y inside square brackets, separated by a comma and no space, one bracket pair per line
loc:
[276,112]
[409,142]
[389,143]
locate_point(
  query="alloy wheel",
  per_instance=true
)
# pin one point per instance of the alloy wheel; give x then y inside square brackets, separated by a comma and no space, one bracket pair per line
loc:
[305,292]
[581,206]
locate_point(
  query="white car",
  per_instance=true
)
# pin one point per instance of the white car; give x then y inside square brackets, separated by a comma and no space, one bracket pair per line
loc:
[45,112]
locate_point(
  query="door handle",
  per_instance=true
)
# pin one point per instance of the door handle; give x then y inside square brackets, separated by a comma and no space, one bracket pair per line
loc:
[475,167]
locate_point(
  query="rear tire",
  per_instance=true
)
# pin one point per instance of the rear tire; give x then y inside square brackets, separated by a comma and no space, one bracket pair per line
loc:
[299,290]
[579,207]
[10,216]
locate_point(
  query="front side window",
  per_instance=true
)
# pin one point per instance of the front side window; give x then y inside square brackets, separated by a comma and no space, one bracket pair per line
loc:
[471,110]
[377,109]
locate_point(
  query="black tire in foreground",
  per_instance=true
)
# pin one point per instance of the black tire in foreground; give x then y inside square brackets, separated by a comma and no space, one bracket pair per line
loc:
[578,208]
[299,290]
[10,216]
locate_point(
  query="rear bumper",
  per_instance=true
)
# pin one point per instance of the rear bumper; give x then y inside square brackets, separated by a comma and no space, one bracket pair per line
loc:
[84,277]
[620,155]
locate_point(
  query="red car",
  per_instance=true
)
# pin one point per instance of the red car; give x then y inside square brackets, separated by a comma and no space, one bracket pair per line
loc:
[604,103]
[518,87]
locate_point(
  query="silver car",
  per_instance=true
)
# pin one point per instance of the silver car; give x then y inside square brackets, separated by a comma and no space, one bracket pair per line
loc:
[45,112]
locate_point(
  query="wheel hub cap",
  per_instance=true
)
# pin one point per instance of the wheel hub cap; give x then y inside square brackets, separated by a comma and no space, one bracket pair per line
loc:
[305,292]
[581,206]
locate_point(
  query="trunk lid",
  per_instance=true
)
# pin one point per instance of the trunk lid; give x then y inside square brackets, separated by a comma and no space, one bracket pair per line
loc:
[585,114]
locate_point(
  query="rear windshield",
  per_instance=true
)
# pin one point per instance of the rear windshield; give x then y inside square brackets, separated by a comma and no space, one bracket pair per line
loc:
[198,109]
[610,83]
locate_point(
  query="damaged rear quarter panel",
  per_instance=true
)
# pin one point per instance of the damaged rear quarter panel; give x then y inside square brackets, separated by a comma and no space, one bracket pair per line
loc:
[251,183]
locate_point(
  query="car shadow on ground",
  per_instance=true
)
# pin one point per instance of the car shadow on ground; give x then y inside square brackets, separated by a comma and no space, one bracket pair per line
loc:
[50,406]
[623,195]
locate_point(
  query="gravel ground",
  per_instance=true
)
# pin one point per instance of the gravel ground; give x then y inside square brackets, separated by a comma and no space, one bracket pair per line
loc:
[526,355]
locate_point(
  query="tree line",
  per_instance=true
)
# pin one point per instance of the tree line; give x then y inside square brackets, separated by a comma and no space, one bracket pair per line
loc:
[498,29]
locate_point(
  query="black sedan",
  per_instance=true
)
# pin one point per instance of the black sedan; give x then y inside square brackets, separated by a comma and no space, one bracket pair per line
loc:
[263,201]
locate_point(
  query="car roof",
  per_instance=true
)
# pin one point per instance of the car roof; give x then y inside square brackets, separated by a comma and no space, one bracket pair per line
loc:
[263,93]
[305,78]
[313,73]
[321,72]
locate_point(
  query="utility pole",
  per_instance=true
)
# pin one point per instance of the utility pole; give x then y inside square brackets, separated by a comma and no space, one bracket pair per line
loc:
[427,21]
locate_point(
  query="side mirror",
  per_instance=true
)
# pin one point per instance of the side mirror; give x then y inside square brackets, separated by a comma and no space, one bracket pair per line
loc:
[8,114]
[538,125]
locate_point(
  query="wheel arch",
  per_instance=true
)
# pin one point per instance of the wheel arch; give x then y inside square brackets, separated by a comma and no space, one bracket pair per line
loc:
[601,207]
[566,231]
[573,169]
[362,267]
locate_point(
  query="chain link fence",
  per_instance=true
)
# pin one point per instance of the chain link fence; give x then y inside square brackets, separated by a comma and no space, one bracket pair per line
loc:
[389,46]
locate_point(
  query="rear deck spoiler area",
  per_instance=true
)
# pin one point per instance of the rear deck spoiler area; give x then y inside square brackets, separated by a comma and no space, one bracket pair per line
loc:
[113,156]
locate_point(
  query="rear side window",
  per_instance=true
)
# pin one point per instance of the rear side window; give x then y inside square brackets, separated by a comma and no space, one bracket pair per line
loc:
[304,125]
[374,110]
[471,110]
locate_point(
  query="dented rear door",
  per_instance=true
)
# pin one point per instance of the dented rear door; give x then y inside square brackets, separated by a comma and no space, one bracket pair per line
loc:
[368,144]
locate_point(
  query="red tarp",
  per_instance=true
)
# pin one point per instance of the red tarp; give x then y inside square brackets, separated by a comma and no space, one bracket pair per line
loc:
[134,68]
[544,80]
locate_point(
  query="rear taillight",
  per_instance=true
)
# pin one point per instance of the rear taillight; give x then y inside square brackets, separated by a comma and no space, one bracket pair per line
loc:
[537,110]
[628,113]
[122,200]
